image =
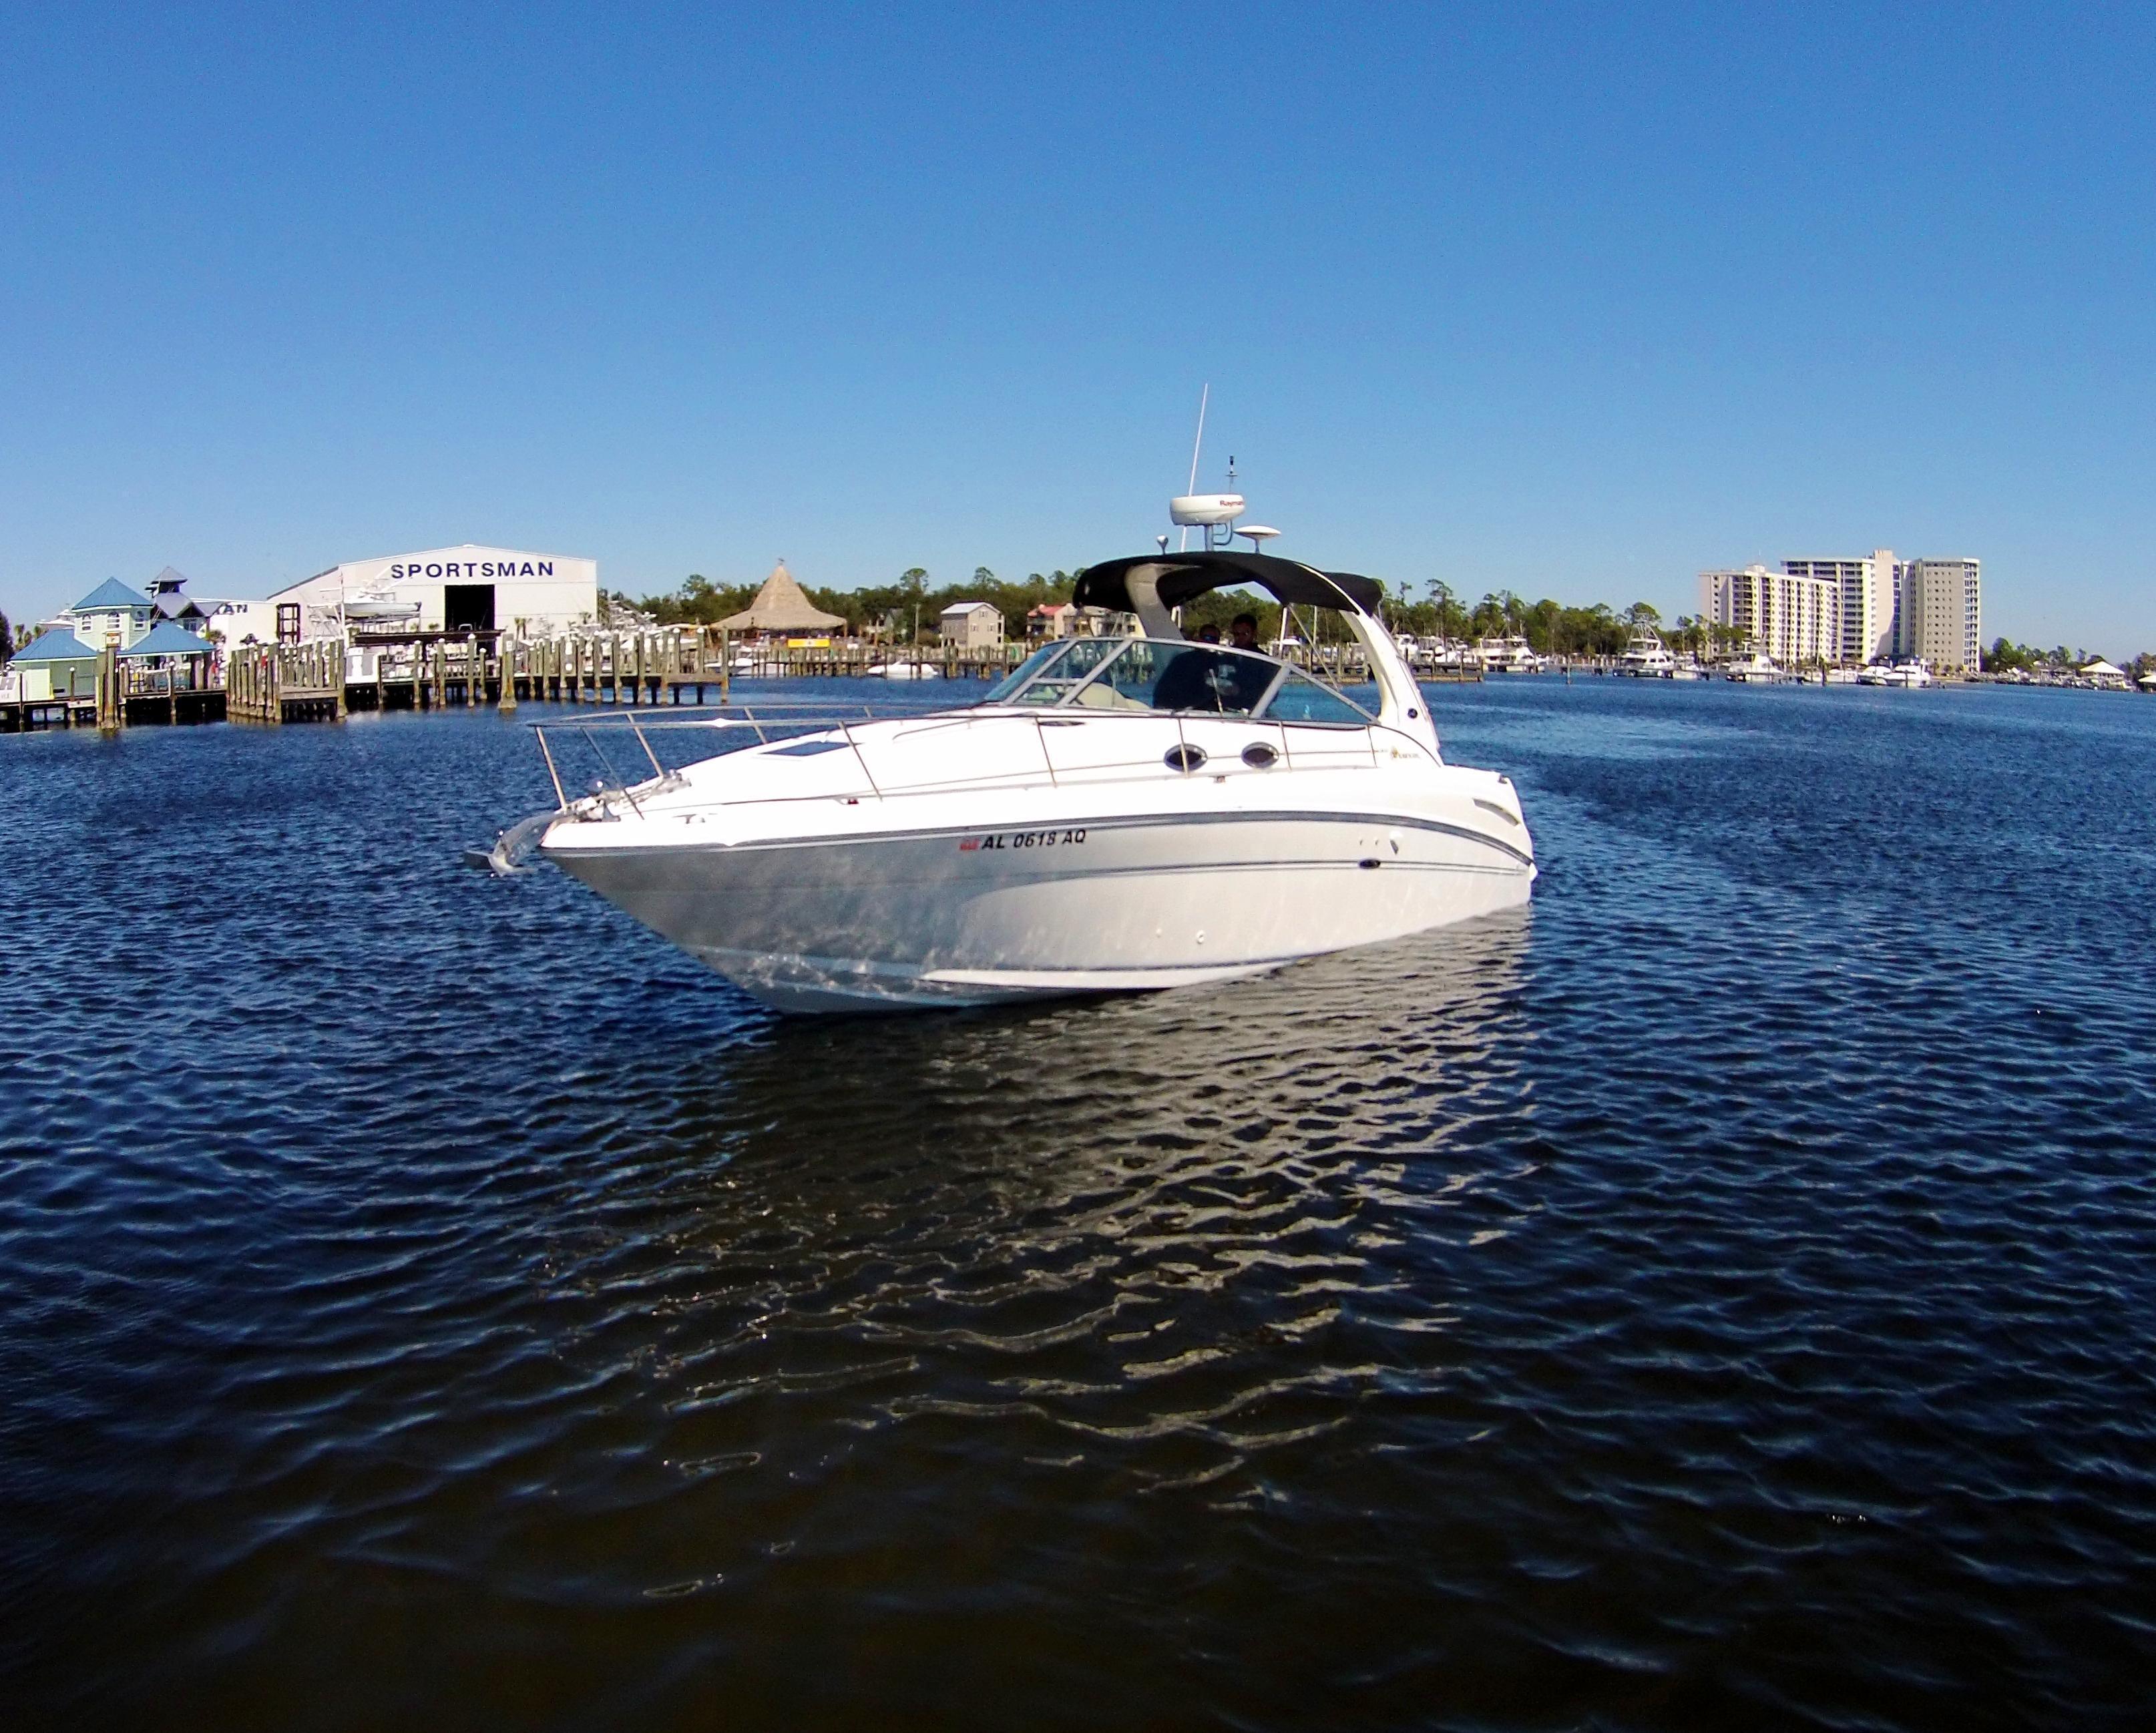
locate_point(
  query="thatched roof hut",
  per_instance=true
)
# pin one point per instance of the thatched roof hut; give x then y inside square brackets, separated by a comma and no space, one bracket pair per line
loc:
[782,606]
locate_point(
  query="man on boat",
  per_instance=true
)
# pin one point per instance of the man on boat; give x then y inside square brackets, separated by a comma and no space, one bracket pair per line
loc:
[1204,679]
[1243,681]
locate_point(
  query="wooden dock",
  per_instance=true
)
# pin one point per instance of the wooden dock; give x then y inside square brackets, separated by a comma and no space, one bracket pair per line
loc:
[330,678]
[33,716]
[286,682]
[120,695]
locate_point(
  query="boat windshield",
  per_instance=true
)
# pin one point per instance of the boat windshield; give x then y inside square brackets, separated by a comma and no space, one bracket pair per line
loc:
[1145,674]
[1026,670]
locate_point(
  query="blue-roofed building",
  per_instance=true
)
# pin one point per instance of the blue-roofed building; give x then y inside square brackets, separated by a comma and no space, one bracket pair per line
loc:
[112,614]
[167,659]
[164,642]
[56,663]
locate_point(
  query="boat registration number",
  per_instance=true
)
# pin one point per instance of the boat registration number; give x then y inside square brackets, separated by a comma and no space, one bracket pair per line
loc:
[1021,839]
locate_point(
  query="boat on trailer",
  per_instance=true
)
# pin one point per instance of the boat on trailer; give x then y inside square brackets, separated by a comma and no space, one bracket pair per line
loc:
[1117,814]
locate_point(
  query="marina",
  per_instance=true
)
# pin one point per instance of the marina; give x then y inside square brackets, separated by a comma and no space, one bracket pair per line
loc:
[328,679]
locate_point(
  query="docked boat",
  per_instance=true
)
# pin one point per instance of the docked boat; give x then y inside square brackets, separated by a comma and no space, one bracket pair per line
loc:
[1117,814]
[1647,657]
[1904,674]
[1508,655]
[906,671]
[1757,668]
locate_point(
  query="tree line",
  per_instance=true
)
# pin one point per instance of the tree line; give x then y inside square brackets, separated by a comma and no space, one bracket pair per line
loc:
[2007,657]
[901,609]
[909,607]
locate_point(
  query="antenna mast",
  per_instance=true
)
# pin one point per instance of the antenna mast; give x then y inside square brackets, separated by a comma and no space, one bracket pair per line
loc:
[1196,446]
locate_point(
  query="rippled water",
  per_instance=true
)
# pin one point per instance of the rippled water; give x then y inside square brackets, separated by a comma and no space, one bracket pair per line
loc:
[1720,1295]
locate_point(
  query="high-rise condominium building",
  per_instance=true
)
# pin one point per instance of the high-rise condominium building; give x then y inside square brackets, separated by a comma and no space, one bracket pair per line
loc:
[1794,617]
[1867,590]
[1940,617]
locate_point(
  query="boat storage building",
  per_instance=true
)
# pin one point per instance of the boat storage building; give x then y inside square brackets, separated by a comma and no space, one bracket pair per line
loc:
[446,589]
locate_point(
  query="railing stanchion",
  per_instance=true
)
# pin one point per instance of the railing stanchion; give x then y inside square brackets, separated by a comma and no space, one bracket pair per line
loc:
[546,752]
[869,775]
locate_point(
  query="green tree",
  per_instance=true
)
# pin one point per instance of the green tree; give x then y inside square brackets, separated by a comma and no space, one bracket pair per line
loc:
[1447,606]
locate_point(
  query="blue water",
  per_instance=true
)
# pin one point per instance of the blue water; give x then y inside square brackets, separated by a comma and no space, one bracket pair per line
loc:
[1718,1295]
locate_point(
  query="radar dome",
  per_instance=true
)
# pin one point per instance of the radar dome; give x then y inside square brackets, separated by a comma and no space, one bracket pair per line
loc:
[1205,509]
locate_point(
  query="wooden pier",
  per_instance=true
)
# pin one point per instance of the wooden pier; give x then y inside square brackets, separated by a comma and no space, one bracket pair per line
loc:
[286,682]
[120,695]
[32,716]
[330,678]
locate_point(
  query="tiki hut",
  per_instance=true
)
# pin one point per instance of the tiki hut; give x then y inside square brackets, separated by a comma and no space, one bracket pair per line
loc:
[781,606]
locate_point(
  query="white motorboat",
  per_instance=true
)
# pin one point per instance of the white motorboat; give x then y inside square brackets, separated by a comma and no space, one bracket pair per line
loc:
[371,607]
[1839,677]
[1647,657]
[1118,813]
[906,671]
[1757,668]
[1508,655]
[1894,674]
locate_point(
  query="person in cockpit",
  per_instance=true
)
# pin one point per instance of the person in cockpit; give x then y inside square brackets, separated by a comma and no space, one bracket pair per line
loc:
[1203,679]
[1243,681]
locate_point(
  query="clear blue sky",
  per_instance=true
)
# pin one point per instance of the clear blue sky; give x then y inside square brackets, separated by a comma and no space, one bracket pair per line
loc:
[1572,301]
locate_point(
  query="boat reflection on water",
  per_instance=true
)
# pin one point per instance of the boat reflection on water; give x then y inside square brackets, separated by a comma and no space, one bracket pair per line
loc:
[1051,1167]
[1355,1047]
[1152,1242]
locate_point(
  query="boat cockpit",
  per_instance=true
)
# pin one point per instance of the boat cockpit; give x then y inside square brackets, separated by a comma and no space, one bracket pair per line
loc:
[1160,670]
[1145,674]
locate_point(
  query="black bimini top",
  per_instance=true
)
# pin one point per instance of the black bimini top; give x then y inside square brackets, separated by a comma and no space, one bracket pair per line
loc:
[1185,575]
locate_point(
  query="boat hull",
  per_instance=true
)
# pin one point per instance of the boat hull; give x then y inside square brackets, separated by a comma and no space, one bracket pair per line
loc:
[1115,904]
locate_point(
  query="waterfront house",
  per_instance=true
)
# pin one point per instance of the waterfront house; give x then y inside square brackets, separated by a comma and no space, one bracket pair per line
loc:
[111,615]
[1051,619]
[68,665]
[972,625]
[2105,676]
